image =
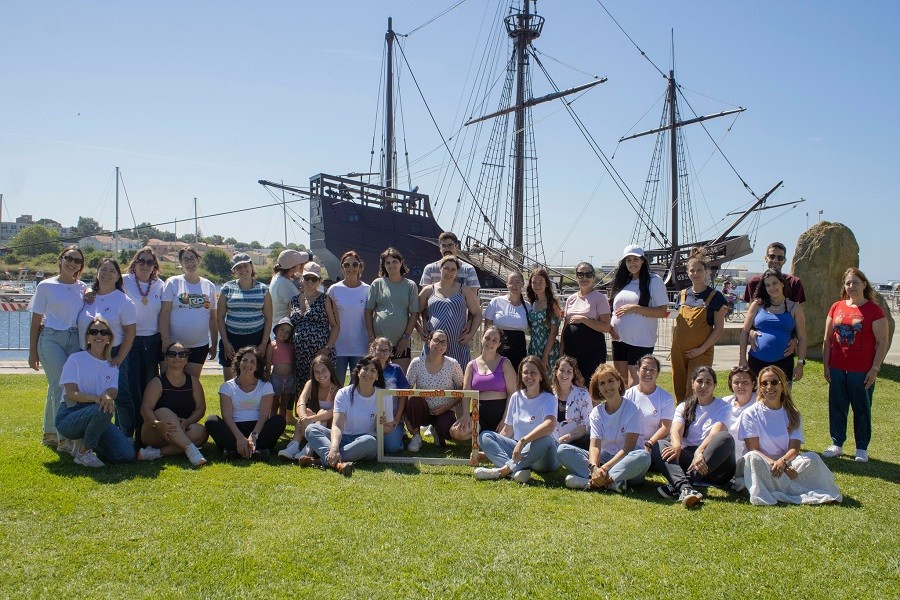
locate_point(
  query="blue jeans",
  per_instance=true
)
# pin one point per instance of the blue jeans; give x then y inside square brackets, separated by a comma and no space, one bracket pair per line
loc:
[139,367]
[95,426]
[353,447]
[847,389]
[344,363]
[537,455]
[54,347]
[631,468]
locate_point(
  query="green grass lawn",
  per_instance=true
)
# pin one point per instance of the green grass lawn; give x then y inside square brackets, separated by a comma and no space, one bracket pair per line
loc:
[164,529]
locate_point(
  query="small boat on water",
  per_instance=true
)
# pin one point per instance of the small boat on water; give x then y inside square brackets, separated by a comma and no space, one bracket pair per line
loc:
[14,297]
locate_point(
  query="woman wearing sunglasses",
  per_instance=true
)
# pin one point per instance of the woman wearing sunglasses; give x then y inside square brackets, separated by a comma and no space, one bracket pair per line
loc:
[172,408]
[349,296]
[54,333]
[90,382]
[314,318]
[587,319]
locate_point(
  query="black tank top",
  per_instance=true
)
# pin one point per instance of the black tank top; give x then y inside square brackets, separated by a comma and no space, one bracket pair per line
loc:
[180,400]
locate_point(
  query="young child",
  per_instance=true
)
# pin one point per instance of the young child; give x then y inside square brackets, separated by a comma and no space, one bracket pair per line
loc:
[280,366]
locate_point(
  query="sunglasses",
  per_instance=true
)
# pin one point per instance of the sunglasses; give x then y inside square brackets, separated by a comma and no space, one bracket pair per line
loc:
[778,257]
[348,265]
[145,261]
[584,274]
[769,383]
[310,278]
[73,259]
[176,353]
[103,332]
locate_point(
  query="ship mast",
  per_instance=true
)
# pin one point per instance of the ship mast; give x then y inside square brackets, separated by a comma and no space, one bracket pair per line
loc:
[389,38]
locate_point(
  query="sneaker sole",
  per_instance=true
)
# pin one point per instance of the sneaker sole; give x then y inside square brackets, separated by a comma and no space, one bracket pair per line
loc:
[691,501]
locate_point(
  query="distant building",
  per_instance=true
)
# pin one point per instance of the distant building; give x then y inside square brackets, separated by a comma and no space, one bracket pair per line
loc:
[108,243]
[9,230]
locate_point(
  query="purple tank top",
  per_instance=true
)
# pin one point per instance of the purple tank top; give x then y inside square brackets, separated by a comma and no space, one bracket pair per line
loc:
[493,382]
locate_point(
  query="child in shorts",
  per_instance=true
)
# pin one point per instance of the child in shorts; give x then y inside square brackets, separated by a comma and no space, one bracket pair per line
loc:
[280,366]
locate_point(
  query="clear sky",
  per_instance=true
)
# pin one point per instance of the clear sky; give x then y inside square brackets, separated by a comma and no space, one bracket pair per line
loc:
[202,99]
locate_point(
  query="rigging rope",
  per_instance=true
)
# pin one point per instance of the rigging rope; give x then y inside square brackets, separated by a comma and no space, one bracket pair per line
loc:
[432,19]
[644,54]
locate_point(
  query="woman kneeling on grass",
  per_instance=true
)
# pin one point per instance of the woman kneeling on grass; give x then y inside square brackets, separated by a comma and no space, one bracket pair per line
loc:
[526,440]
[614,460]
[352,435]
[172,408]
[246,428]
[701,449]
[90,385]
[774,469]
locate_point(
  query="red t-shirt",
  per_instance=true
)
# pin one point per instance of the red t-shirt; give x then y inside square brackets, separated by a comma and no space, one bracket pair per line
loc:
[852,340]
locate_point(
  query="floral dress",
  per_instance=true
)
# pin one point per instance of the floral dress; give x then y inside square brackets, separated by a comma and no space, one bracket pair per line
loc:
[311,332]
[540,332]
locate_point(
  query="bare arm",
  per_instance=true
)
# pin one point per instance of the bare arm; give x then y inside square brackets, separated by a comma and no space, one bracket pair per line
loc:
[165,313]
[128,333]
[33,360]
[333,321]
[826,347]
[745,333]
[800,324]
[213,333]
[880,329]
[221,312]
[474,314]
[267,326]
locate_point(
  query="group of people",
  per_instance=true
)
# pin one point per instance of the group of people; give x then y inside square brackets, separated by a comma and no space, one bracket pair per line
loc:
[285,349]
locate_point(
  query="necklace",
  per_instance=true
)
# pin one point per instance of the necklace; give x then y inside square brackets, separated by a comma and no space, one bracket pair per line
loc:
[143,294]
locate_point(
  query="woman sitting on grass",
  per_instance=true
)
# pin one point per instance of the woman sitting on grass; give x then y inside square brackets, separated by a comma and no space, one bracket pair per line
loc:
[90,384]
[614,460]
[352,435]
[526,440]
[246,428]
[315,405]
[701,449]
[493,377]
[656,404]
[774,469]
[172,408]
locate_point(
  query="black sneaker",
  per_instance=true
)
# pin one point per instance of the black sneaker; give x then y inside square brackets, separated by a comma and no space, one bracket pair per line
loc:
[667,491]
[261,455]
[228,454]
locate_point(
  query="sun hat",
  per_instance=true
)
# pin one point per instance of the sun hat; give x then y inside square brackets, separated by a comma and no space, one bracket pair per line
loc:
[313,268]
[288,259]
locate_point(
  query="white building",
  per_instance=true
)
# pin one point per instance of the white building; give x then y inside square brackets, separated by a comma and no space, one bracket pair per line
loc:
[108,243]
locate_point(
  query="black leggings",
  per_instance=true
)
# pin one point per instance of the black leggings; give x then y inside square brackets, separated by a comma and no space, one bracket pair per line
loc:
[718,455]
[490,414]
[224,438]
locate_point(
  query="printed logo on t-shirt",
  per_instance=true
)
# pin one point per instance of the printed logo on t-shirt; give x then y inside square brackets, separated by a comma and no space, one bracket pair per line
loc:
[194,300]
[533,418]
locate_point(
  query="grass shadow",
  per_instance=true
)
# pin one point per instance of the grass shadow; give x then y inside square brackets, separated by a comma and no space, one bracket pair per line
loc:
[879,469]
[889,372]
[64,466]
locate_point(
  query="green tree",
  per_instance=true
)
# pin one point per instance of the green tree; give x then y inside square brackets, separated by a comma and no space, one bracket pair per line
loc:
[230,241]
[255,245]
[215,239]
[35,240]
[87,227]
[217,262]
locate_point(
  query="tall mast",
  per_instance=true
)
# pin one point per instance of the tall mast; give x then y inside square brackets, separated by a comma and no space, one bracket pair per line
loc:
[673,150]
[389,113]
[117,214]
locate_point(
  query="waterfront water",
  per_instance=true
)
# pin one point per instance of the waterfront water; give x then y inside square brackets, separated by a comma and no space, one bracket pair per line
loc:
[14,329]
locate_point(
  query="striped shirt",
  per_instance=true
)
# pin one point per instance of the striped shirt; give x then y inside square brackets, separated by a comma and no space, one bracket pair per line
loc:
[245,307]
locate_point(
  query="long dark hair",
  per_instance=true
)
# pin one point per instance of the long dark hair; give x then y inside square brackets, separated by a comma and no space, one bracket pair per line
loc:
[538,363]
[119,286]
[690,405]
[786,400]
[552,302]
[259,373]
[623,277]
[762,294]
[868,294]
[313,402]
[365,361]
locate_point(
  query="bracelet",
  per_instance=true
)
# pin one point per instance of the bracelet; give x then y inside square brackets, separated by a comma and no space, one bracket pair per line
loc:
[405,336]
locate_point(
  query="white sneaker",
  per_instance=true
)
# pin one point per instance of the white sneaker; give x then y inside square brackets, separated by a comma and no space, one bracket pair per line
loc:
[832,451]
[195,456]
[89,459]
[429,432]
[862,456]
[522,476]
[485,474]
[291,452]
[690,497]
[577,483]
[149,453]
[415,444]
[67,446]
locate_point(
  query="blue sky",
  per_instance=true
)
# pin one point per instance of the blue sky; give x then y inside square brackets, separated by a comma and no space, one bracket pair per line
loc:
[202,99]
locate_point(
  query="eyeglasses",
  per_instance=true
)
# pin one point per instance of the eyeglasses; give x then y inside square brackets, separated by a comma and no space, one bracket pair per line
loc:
[768,383]
[103,332]
[348,265]
[189,258]
[145,261]
[439,341]
[382,350]
[584,274]
[778,257]
[310,278]
[176,354]
[73,259]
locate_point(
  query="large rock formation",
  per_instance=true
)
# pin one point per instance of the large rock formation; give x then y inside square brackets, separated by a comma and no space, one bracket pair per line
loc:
[823,253]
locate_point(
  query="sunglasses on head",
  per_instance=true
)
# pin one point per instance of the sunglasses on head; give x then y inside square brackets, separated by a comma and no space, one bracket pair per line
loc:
[103,332]
[176,353]
[73,259]
[348,265]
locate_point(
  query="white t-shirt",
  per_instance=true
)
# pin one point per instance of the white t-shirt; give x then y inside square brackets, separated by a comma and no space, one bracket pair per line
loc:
[611,429]
[245,405]
[60,303]
[524,414]
[116,307]
[353,339]
[191,305]
[281,289]
[147,314]
[91,375]
[656,407]
[361,413]
[505,315]
[705,417]
[634,329]
[736,411]
[466,274]
[771,427]
[578,409]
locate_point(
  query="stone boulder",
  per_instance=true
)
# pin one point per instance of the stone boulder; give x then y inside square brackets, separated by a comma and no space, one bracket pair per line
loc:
[823,253]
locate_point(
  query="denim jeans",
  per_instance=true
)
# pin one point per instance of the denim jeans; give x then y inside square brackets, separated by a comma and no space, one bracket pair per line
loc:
[54,347]
[537,455]
[393,442]
[847,389]
[95,426]
[344,363]
[139,367]
[353,447]
[631,468]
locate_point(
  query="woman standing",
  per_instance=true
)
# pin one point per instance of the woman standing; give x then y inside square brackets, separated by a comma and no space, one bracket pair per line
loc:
[89,381]
[188,312]
[349,296]
[246,428]
[543,318]
[639,302]
[510,314]
[108,300]
[392,306]
[774,469]
[856,341]
[493,377]
[701,449]
[315,323]
[587,319]
[574,404]
[614,460]
[774,318]
[172,408]
[53,337]
[656,404]
[282,288]
[433,371]
[244,313]
[142,285]
[452,307]
[525,442]
[698,325]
